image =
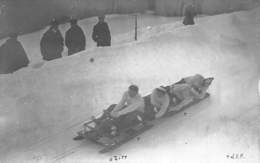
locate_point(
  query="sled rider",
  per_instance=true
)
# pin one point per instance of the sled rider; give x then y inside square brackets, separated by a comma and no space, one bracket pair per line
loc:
[198,83]
[130,105]
[160,101]
[189,89]
[124,114]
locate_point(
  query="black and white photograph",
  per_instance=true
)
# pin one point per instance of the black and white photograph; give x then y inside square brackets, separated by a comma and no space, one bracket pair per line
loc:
[129,81]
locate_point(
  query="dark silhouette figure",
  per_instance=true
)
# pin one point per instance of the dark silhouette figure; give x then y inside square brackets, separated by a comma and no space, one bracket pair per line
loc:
[101,33]
[189,14]
[75,39]
[52,43]
[12,56]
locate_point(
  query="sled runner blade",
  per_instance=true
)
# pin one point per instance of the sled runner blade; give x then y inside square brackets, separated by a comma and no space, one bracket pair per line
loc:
[126,137]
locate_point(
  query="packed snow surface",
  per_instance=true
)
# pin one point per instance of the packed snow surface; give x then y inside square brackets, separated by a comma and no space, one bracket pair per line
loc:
[42,107]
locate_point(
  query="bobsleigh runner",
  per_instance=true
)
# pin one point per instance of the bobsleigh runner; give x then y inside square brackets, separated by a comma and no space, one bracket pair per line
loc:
[115,136]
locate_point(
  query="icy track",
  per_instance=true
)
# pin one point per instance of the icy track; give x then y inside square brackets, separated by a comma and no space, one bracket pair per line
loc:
[42,108]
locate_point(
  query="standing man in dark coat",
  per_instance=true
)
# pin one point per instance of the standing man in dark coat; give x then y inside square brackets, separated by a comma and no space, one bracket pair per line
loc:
[52,43]
[101,33]
[75,39]
[13,56]
[189,14]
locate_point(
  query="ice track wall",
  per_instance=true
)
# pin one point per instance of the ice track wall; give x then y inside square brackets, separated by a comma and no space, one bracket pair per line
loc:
[30,15]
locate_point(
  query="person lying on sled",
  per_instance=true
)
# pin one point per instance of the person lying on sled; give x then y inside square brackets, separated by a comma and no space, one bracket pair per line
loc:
[193,88]
[160,100]
[198,83]
[185,91]
[130,107]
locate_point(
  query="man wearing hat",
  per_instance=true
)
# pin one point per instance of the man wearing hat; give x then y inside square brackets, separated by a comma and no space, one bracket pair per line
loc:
[52,42]
[75,38]
[101,33]
[160,100]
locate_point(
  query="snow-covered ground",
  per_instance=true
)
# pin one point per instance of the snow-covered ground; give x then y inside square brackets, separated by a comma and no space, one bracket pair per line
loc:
[42,108]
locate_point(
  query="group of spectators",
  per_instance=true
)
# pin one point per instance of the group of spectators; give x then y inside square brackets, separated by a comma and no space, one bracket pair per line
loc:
[52,42]
[13,56]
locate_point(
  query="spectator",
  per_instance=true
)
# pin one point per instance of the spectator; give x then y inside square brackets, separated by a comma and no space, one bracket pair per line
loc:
[75,39]
[52,43]
[189,14]
[12,56]
[101,33]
